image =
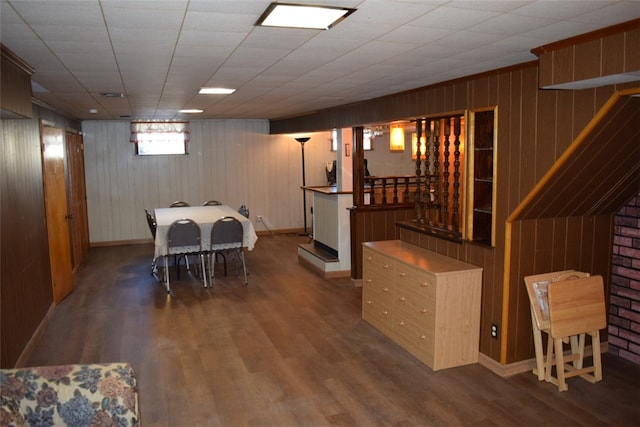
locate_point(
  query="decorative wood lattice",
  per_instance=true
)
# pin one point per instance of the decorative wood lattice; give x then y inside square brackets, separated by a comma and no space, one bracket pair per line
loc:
[438,175]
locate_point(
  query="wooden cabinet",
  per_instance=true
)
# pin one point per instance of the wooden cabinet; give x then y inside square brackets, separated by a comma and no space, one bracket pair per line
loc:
[427,303]
[483,143]
[15,86]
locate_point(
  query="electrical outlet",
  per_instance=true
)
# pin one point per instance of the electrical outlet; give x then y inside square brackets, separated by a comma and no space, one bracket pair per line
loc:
[494,330]
[259,218]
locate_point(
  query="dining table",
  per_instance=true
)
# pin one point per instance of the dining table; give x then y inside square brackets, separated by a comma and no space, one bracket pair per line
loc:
[205,217]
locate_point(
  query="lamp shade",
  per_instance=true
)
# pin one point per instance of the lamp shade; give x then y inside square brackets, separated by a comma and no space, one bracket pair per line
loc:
[396,138]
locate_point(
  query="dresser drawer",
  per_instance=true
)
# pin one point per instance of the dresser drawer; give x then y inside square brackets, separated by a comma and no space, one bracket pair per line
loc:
[376,311]
[377,264]
[418,339]
[421,309]
[415,280]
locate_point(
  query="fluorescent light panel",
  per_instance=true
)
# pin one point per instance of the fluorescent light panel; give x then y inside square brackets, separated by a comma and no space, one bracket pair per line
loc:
[291,15]
[191,111]
[216,91]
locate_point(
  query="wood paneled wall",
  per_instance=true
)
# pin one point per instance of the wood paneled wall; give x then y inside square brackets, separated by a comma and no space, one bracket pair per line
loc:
[235,161]
[373,224]
[534,128]
[25,292]
[553,244]
[605,53]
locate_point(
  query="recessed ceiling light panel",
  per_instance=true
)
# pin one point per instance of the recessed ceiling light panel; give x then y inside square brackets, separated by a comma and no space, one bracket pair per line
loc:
[292,15]
[191,111]
[216,91]
[112,95]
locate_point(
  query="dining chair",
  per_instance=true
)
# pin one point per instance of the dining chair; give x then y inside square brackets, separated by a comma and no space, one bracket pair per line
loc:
[212,203]
[151,222]
[179,204]
[226,238]
[184,238]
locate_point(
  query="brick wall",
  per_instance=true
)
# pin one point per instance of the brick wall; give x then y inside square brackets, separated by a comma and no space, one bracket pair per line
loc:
[624,316]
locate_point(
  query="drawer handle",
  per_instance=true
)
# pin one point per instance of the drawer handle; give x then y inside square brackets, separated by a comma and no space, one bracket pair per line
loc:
[369,301]
[385,289]
[386,266]
[368,258]
[402,299]
[385,312]
[368,281]
[403,274]
[423,311]
[422,337]
[400,323]
[424,284]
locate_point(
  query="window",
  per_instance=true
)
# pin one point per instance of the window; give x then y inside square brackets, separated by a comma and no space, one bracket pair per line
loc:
[160,138]
[366,144]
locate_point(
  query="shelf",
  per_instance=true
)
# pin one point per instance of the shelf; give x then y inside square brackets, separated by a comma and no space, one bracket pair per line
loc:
[483,184]
[487,211]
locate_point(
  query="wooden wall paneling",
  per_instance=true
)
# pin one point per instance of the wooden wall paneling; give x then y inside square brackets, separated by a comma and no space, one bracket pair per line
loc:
[613,56]
[563,65]
[505,155]
[517,165]
[479,92]
[597,254]
[544,229]
[547,122]
[545,70]
[560,246]
[564,128]
[523,263]
[528,128]
[631,49]
[25,294]
[461,95]
[582,116]
[588,249]
[573,245]
[518,268]
[476,255]
[588,60]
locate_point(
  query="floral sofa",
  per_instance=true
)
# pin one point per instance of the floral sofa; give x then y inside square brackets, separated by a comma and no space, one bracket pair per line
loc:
[71,395]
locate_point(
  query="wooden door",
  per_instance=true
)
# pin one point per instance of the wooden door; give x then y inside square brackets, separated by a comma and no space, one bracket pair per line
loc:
[77,197]
[55,197]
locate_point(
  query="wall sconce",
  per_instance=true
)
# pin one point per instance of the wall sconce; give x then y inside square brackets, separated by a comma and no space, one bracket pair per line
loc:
[396,138]
[414,147]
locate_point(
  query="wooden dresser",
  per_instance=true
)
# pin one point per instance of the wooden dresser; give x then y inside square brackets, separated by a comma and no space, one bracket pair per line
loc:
[427,303]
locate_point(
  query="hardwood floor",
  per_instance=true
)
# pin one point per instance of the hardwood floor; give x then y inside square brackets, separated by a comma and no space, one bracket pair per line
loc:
[290,349]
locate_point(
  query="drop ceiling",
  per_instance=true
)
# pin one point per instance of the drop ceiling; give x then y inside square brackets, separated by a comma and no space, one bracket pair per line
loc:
[159,53]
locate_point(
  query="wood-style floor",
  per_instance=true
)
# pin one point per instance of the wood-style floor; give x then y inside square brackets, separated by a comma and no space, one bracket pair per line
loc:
[291,349]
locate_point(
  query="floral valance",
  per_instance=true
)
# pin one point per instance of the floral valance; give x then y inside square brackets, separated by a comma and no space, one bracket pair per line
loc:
[140,129]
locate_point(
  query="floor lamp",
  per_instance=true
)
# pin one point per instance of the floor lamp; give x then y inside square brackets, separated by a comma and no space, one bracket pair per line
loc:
[302,140]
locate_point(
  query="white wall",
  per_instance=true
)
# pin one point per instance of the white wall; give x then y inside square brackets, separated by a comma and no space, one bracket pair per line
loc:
[383,162]
[234,161]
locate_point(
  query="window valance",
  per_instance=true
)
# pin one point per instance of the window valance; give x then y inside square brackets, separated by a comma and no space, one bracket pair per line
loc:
[143,131]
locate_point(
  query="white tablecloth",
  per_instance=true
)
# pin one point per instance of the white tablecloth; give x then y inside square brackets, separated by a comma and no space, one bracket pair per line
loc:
[204,216]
